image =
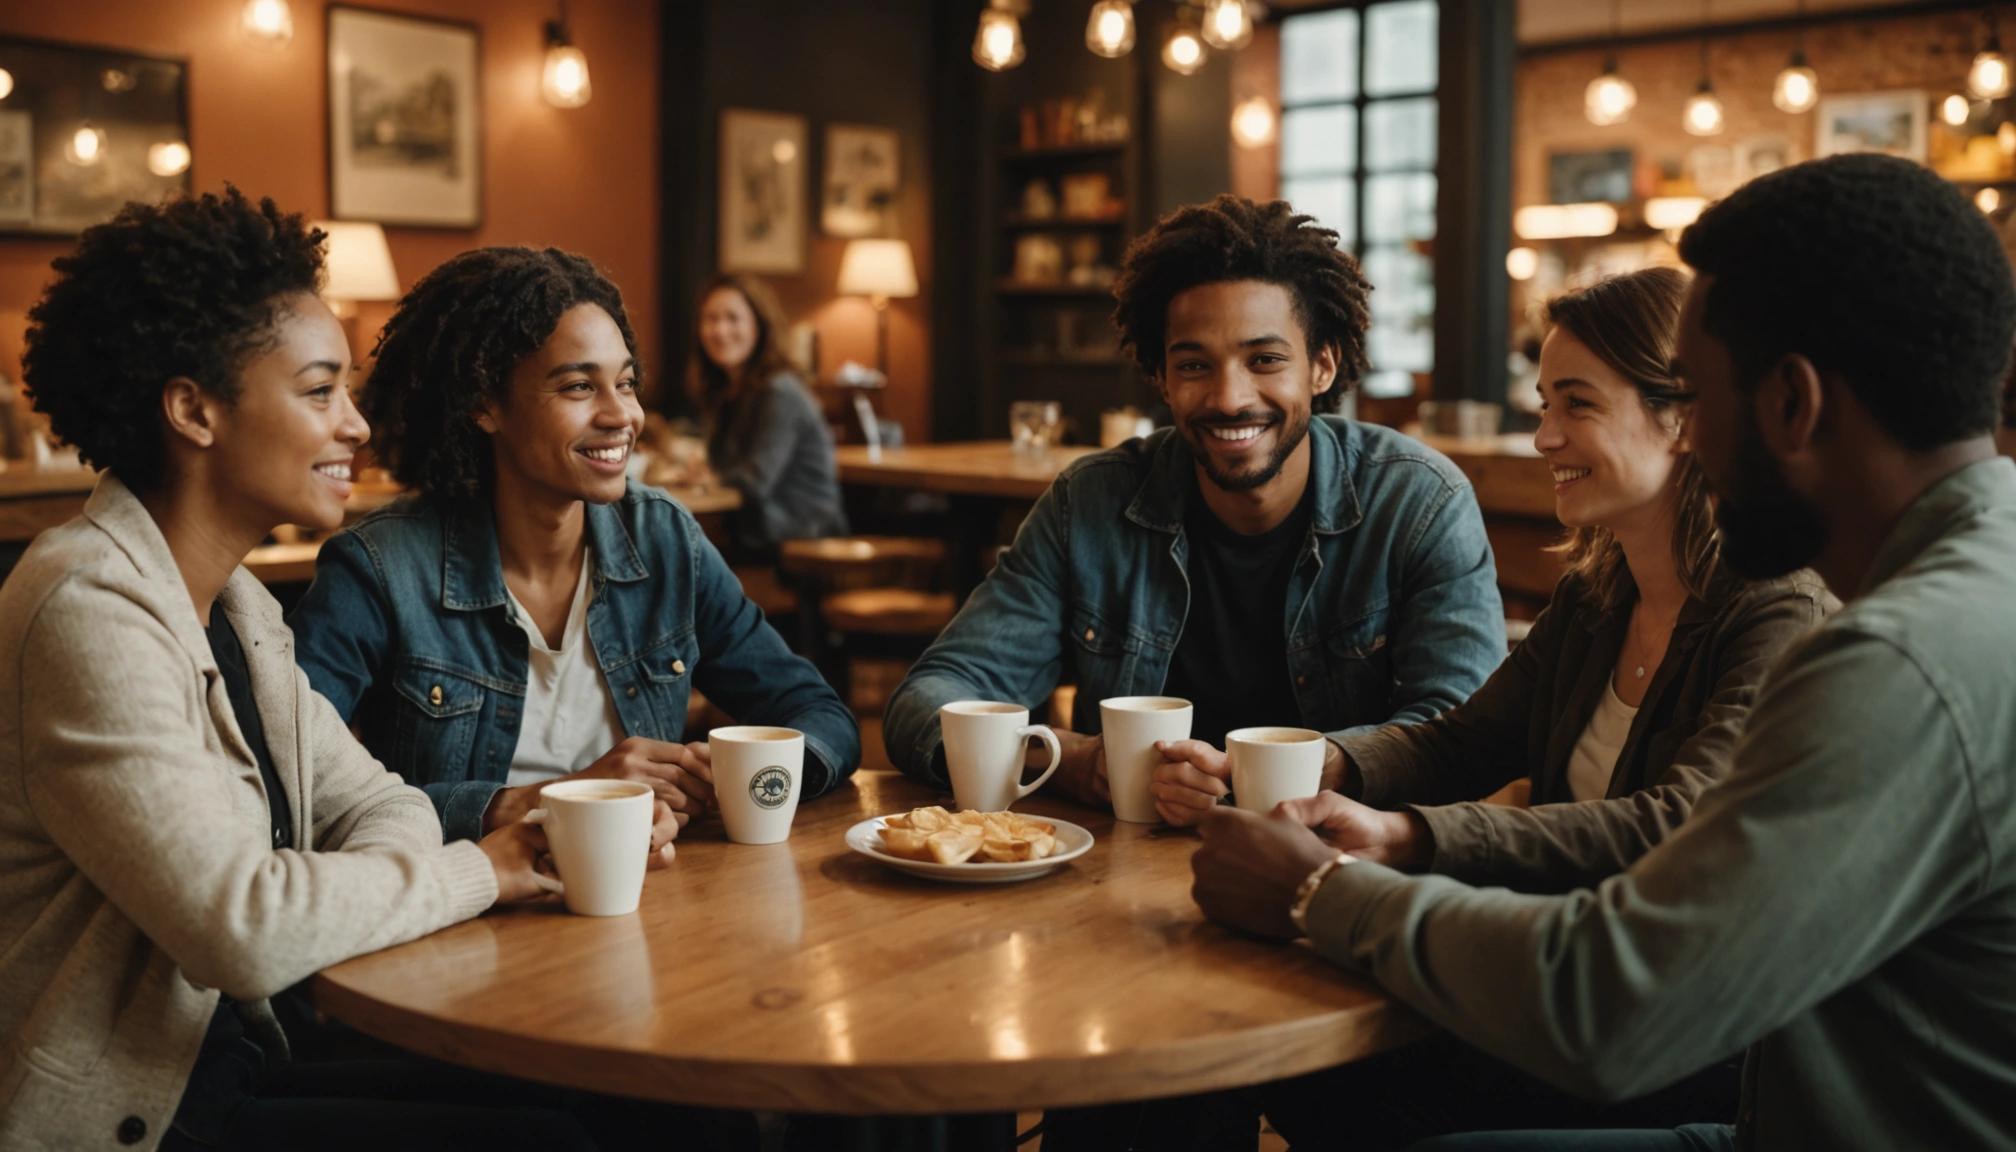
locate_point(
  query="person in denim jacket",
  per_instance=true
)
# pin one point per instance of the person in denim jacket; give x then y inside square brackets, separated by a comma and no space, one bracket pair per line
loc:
[530,614]
[1272,563]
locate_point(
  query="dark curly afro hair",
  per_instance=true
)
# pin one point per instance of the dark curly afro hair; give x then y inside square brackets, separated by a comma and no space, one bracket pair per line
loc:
[187,288]
[1233,238]
[1871,267]
[452,347]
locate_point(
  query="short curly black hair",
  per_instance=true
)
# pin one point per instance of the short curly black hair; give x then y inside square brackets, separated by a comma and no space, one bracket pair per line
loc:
[1872,267]
[453,345]
[187,288]
[1233,238]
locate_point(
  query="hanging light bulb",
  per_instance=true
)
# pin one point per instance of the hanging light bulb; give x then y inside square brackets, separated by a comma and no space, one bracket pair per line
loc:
[1609,98]
[6,83]
[1253,122]
[564,79]
[1797,87]
[268,22]
[1988,77]
[1183,48]
[1953,110]
[1703,114]
[997,45]
[86,146]
[1109,31]
[1227,24]
[1522,263]
[168,158]
[1988,200]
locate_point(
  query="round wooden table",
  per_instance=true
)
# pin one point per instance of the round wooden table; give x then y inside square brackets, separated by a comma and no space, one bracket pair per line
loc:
[804,977]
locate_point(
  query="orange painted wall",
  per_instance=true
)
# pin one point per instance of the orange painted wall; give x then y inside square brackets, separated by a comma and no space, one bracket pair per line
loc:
[584,179]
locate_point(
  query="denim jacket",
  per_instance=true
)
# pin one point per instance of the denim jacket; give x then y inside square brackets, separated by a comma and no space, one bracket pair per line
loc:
[408,630]
[1393,609]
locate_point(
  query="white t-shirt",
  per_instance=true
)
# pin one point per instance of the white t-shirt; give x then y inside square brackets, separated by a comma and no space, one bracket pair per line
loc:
[1594,760]
[570,719]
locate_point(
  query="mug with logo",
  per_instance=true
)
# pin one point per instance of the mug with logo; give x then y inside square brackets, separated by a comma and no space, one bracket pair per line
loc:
[600,835]
[758,773]
[984,742]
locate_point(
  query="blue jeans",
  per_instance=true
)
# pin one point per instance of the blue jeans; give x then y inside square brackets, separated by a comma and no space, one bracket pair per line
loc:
[1690,1138]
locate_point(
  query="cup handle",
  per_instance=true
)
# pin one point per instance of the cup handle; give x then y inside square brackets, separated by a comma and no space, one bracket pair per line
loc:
[540,816]
[1056,755]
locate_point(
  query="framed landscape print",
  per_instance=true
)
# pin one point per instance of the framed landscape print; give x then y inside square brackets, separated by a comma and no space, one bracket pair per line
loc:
[1892,123]
[763,212]
[83,130]
[405,120]
[864,168]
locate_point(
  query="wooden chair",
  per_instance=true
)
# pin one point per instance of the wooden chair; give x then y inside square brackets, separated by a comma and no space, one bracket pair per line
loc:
[873,592]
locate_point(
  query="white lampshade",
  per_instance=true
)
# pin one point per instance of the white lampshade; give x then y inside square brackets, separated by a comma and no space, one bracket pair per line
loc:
[359,262]
[877,268]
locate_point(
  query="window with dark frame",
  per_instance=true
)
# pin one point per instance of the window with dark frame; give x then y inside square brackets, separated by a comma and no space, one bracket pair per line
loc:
[1358,152]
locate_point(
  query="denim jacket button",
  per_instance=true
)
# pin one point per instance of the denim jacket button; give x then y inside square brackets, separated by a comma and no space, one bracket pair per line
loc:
[1301,681]
[631,691]
[1088,635]
[434,696]
[678,667]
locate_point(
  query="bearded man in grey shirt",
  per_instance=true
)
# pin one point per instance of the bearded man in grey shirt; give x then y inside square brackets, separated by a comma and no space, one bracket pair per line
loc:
[1844,903]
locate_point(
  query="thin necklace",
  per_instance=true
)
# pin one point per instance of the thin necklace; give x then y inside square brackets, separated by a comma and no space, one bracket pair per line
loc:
[1642,647]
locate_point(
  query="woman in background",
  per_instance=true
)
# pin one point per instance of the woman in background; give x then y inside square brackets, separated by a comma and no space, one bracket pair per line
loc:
[766,436]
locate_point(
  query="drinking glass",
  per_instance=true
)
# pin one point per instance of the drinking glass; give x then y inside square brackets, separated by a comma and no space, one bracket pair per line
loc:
[1034,424]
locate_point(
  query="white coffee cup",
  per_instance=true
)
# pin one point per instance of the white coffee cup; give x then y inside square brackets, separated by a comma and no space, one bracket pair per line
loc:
[1270,765]
[758,774]
[1130,726]
[983,752]
[600,835]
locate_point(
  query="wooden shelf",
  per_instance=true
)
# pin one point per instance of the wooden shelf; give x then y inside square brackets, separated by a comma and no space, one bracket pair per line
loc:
[1068,151]
[1061,223]
[1023,288]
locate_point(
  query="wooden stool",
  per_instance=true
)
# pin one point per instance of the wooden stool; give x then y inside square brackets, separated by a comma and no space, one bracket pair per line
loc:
[762,587]
[889,612]
[860,561]
[862,579]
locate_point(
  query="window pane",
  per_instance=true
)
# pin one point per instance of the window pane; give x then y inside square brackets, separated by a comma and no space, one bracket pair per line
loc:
[1403,309]
[1400,134]
[1319,57]
[1399,208]
[1388,385]
[1400,49]
[1317,140]
[1328,198]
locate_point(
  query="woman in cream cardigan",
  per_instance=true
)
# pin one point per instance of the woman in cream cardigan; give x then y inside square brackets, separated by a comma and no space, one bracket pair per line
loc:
[186,829]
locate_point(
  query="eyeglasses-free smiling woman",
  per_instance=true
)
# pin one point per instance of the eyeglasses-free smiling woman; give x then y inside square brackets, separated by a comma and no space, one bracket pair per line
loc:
[530,614]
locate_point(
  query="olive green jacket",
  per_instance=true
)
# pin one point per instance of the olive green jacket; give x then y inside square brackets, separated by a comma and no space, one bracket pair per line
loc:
[1845,900]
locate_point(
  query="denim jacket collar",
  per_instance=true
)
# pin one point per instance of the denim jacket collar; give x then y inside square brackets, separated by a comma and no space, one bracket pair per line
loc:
[1159,503]
[472,569]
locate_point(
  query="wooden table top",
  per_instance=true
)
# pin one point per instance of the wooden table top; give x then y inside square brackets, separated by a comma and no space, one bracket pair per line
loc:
[976,468]
[1509,476]
[804,977]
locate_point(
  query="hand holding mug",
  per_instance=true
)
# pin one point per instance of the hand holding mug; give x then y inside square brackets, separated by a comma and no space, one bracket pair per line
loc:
[514,851]
[1190,781]
[1396,839]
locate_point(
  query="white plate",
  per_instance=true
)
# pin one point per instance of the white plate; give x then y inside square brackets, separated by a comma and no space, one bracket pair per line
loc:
[1072,842]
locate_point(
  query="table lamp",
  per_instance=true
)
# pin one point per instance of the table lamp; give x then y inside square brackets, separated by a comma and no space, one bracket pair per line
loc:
[878,269]
[359,264]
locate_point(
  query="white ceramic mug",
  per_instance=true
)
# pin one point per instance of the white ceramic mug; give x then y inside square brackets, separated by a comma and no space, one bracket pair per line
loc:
[758,774]
[983,752]
[1270,765]
[600,835]
[1130,726]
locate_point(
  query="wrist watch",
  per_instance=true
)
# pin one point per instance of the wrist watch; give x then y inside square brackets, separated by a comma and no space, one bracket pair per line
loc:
[1299,910]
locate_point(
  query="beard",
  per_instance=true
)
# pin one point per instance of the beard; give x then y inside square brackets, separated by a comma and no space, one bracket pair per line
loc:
[1296,428]
[1768,527]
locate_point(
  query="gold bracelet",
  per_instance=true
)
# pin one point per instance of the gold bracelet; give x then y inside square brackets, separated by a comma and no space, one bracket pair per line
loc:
[1299,911]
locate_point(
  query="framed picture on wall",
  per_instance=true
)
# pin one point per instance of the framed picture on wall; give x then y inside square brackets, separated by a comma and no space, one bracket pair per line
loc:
[762,221]
[83,130]
[864,168]
[405,120]
[1892,123]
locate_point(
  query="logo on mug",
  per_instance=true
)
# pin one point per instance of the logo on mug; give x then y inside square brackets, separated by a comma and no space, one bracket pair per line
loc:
[770,787]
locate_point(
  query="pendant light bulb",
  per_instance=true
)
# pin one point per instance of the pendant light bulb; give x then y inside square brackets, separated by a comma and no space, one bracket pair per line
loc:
[1254,123]
[1954,110]
[1988,200]
[1703,113]
[1988,78]
[86,146]
[1609,98]
[997,45]
[268,22]
[1109,32]
[1797,88]
[1227,24]
[1183,49]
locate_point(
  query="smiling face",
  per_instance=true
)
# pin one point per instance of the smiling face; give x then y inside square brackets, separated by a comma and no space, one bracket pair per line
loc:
[1239,380]
[728,328]
[284,446]
[573,416]
[1614,459]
